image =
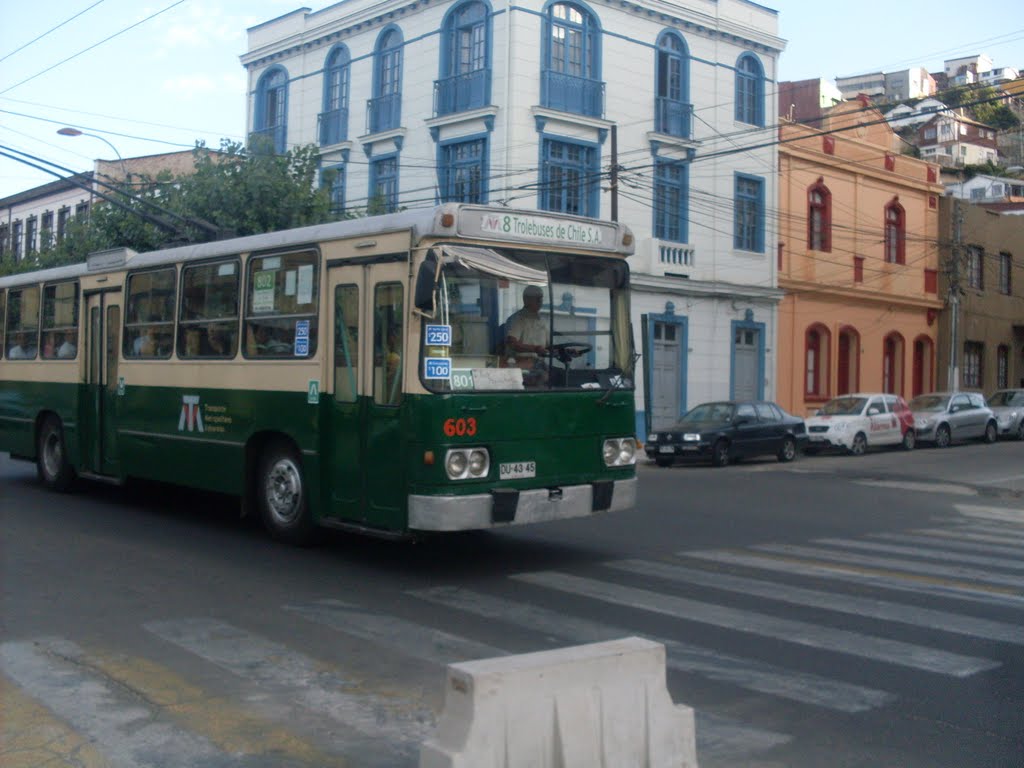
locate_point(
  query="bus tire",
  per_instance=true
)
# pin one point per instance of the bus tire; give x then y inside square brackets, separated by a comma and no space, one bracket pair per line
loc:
[52,465]
[281,492]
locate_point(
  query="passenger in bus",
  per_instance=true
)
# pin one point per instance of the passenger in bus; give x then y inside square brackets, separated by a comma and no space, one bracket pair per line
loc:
[219,341]
[70,346]
[526,337]
[21,349]
[146,344]
[264,342]
[49,345]
[193,342]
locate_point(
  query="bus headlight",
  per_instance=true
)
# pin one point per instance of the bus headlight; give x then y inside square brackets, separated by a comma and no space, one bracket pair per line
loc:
[619,452]
[467,463]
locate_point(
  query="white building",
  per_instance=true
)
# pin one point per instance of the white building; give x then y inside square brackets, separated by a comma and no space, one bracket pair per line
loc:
[414,102]
[913,83]
[988,189]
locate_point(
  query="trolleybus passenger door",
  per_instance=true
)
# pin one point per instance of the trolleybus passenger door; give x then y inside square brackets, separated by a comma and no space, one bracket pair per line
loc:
[343,448]
[103,327]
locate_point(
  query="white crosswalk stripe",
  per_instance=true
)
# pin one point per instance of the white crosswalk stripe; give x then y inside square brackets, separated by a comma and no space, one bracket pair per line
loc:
[902,565]
[932,540]
[765,625]
[928,553]
[942,621]
[746,673]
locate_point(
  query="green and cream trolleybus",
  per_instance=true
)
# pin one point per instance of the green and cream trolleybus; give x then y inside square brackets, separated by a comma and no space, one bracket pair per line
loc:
[453,368]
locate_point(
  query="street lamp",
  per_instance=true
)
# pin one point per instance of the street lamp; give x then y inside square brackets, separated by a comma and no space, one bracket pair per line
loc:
[67,131]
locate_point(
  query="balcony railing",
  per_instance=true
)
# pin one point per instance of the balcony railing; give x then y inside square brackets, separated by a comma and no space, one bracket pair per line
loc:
[569,93]
[460,93]
[672,117]
[333,127]
[383,113]
[273,137]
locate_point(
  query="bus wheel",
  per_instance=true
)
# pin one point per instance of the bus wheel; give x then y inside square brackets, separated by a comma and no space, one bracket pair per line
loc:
[52,464]
[282,495]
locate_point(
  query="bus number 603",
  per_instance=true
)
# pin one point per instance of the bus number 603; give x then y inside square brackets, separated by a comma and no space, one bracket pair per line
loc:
[460,427]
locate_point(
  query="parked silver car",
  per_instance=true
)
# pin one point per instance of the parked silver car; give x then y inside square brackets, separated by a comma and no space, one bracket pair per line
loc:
[1008,406]
[943,417]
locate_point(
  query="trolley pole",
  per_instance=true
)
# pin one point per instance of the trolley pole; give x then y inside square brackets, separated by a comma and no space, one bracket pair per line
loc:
[613,176]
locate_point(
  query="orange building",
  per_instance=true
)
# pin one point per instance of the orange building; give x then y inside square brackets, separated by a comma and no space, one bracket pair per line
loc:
[858,260]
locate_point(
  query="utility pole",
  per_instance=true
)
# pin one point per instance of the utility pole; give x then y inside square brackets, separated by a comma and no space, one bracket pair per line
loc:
[613,176]
[953,297]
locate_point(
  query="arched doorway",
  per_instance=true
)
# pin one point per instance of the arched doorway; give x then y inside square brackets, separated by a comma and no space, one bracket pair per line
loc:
[848,369]
[892,364]
[924,364]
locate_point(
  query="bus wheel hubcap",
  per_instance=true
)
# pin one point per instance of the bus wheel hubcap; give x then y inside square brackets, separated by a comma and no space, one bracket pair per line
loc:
[52,454]
[284,491]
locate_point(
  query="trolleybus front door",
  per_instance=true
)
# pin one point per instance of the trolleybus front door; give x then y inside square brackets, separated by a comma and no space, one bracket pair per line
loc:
[365,448]
[99,433]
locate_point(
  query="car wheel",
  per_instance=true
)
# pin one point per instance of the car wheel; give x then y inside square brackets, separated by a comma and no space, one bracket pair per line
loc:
[909,440]
[282,495]
[720,454]
[52,465]
[991,432]
[860,444]
[663,461]
[943,438]
[788,450]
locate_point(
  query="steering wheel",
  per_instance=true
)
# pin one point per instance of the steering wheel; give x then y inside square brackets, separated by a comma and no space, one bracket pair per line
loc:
[566,351]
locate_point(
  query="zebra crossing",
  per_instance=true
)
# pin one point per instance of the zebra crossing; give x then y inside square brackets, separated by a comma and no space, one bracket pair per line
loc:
[294,704]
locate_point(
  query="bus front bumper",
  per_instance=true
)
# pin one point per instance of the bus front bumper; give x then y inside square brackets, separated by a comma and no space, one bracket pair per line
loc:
[504,507]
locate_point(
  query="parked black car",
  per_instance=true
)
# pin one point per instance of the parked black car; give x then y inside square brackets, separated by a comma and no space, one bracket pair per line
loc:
[721,432]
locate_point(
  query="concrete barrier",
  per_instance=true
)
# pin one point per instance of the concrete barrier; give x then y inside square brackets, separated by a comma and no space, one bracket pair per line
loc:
[589,706]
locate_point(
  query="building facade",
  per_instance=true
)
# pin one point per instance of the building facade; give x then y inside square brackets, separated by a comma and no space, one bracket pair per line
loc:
[858,260]
[953,140]
[532,105]
[983,350]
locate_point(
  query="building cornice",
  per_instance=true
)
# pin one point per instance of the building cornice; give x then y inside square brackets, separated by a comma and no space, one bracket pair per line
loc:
[807,287]
[705,288]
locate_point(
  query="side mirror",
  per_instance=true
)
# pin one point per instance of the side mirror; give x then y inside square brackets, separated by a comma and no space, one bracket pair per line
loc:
[426,280]
[873,411]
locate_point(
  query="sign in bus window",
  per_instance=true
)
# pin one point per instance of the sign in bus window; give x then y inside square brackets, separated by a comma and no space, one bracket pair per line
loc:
[22,338]
[281,306]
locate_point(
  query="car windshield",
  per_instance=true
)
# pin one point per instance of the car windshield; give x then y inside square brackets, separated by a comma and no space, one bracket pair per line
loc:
[528,320]
[843,406]
[929,403]
[1006,398]
[714,413]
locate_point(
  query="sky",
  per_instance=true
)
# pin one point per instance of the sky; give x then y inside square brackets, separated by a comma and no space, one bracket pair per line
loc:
[155,77]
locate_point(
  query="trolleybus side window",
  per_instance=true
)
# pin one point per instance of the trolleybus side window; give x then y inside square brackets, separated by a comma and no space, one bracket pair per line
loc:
[60,321]
[149,316]
[281,306]
[346,343]
[3,319]
[22,339]
[388,319]
[208,318]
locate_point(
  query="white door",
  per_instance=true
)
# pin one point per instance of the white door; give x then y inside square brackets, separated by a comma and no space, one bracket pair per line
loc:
[746,348]
[666,369]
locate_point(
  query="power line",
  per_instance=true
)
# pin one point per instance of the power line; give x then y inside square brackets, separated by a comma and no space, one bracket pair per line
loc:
[52,29]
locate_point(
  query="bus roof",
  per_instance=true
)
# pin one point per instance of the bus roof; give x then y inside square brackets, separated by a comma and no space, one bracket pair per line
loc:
[536,228]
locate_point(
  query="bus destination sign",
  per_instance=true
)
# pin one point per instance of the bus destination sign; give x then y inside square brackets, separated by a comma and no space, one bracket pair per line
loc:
[513,225]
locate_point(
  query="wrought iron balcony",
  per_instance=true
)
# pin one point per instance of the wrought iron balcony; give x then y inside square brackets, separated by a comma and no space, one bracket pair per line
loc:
[272,137]
[333,127]
[569,93]
[384,113]
[673,117]
[461,93]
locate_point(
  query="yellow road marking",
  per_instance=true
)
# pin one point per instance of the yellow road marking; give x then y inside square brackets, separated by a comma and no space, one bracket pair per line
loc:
[31,736]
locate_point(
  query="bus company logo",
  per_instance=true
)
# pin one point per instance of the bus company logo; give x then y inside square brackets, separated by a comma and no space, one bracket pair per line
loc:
[191,415]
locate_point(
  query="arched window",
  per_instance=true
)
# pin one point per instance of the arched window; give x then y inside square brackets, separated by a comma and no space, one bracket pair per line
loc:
[749,90]
[385,108]
[270,121]
[334,118]
[571,75]
[672,108]
[816,345]
[892,364]
[465,74]
[819,218]
[895,233]
[848,361]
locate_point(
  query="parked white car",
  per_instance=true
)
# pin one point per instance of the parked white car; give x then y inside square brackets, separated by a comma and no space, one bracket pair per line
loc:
[859,421]
[1008,406]
[943,417]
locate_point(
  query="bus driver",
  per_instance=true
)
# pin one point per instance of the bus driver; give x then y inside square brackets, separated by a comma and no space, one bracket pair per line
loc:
[526,331]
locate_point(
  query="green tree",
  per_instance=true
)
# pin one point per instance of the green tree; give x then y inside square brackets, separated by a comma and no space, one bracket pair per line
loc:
[233,191]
